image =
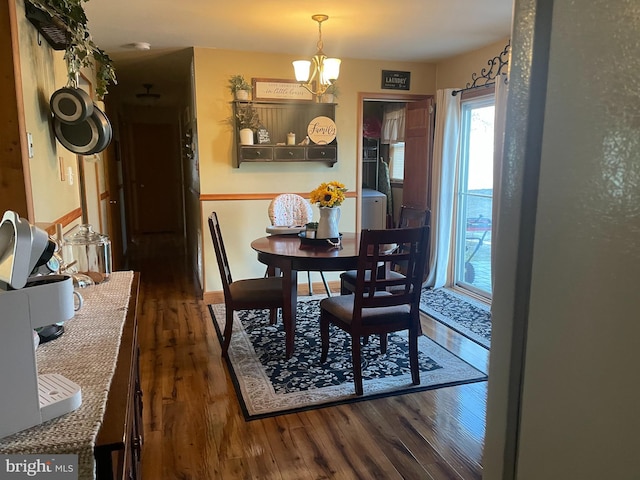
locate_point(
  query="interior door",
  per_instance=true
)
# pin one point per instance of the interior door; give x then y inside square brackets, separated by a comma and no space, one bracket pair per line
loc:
[115,207]
[418,146]
[158,180]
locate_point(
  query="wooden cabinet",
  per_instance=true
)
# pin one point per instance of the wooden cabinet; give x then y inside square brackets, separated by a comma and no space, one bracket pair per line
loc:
[99,349]
[280,119]
[119,441]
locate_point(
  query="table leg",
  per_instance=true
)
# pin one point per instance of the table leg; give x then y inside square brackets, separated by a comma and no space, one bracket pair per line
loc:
[290,287]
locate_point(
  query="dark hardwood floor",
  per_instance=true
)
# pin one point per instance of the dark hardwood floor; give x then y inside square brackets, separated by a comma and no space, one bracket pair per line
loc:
[194,428]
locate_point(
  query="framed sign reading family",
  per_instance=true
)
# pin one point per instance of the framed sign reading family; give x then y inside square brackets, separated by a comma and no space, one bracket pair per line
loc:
[273,89]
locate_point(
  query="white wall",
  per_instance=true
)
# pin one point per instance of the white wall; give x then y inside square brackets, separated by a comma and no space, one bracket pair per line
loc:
[573,303]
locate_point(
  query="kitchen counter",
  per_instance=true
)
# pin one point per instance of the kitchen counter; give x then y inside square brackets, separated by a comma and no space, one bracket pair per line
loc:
[93,354]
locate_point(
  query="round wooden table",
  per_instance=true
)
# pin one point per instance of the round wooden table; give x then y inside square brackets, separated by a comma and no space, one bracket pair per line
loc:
[287,254]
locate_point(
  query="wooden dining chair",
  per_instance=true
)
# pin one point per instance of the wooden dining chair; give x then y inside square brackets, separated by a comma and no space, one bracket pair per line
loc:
[247,294]
[380,305]
[409,217]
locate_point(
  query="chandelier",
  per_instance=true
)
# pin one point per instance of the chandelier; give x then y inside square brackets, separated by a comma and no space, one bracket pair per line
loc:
[325,70]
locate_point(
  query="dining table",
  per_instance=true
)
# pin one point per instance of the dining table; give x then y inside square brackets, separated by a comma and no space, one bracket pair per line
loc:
[286,255]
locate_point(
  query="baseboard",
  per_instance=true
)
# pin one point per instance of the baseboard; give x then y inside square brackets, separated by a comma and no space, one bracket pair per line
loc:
[470,294]
[211,298]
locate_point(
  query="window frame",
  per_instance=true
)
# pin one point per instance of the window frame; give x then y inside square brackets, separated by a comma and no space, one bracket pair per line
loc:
[479,98]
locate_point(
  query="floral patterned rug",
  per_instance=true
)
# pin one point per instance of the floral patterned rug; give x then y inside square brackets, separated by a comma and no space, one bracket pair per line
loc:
[469,317]
[268,385]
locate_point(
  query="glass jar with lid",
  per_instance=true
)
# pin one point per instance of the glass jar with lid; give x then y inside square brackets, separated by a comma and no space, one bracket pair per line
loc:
[89,252]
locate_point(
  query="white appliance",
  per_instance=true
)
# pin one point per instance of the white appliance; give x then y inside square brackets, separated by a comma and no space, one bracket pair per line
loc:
[27,303]
[374,209]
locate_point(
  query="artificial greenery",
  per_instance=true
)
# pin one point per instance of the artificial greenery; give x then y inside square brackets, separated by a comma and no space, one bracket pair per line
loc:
[237,82]
[81,52]
[333,90]
[247,117]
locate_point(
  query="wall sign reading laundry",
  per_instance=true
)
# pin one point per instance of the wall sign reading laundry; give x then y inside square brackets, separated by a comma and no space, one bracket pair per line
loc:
[395,80]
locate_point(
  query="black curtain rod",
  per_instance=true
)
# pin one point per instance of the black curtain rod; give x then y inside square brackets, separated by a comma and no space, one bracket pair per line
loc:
[455,92]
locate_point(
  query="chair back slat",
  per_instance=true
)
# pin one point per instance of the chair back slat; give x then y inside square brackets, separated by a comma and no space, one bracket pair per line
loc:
[221,253]
[372,290]
[413,217]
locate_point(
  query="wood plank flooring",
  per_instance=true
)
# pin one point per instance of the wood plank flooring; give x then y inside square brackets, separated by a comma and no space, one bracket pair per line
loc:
[194,428]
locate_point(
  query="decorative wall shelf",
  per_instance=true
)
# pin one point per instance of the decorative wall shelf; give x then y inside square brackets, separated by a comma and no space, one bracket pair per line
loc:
[52,29]
[279,119]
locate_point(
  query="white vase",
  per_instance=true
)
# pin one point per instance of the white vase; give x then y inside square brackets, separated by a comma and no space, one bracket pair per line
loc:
[326,98]
[242,95]
[328,223]
[246,136]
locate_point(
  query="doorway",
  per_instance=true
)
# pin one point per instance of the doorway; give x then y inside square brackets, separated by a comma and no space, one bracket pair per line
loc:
[156,179]
[406,164]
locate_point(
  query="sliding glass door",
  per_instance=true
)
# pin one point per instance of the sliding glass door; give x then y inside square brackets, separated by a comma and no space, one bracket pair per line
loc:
[474,198]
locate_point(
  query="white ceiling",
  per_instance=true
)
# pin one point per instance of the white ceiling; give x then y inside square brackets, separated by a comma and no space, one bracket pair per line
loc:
[407,30]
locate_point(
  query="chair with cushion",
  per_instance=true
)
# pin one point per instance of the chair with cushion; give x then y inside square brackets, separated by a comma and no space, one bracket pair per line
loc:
[380,306]
[288,210]
[248,294]
[409,217]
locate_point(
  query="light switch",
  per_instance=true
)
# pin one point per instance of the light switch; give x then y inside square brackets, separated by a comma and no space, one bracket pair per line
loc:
[30,144]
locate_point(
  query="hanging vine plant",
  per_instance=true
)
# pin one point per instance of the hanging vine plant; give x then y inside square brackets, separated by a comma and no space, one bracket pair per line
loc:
[81,51]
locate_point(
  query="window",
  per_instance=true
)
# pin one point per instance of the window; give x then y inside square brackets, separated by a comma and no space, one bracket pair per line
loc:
[392,134]
[474,196]
[396,166]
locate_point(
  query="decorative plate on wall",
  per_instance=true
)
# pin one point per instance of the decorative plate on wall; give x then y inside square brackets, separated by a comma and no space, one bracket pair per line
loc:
[322,130]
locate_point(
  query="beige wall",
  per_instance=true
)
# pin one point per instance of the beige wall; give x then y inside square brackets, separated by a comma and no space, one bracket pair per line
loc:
[43,72]
[245,220]
[456,72]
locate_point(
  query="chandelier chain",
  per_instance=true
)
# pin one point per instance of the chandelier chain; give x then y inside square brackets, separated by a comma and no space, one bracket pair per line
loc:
[319,45]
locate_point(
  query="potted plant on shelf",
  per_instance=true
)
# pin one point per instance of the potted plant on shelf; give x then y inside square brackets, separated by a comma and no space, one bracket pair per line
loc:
[248,122]
[80,50]
[239,87]
[330,94]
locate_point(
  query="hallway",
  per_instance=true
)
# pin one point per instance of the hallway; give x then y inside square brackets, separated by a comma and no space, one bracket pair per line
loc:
[194,428]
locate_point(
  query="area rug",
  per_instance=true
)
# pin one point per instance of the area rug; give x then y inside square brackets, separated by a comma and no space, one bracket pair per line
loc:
[267,384]
[466,316]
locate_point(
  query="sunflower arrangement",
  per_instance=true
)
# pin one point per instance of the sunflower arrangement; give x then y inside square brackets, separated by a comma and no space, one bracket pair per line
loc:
[328,194]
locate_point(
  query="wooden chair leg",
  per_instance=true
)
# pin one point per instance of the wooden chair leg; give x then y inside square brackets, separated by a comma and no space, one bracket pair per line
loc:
[383,343]
[273,316]
[357,364]
[324,337]
[228,328]
[413,355]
